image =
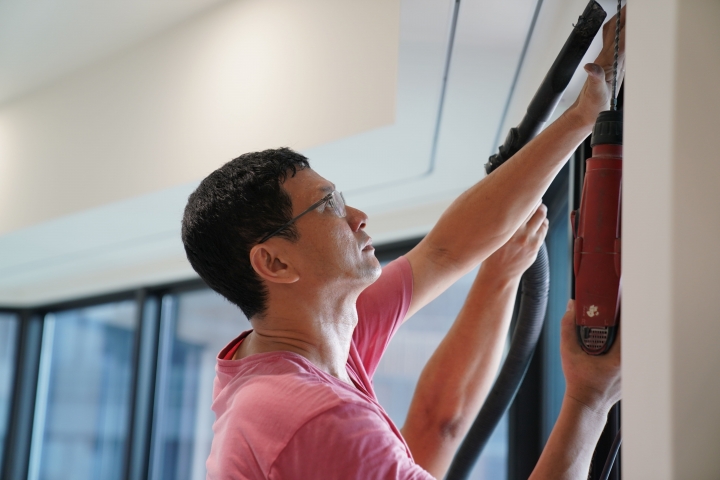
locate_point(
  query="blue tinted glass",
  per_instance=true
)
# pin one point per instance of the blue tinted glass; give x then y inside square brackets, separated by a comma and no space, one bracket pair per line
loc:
[558,243]
[195,327]
[82,410]
[406,356]
[8,340]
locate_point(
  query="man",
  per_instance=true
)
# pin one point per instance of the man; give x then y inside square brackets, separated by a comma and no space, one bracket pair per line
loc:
[293,397]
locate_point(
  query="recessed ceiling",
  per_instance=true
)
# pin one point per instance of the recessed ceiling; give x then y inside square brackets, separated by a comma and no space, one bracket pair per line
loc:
[44,40]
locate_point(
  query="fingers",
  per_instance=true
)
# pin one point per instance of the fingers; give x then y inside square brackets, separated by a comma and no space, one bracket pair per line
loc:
[623,16]
[595,95]
[543,230]
[539,225]
[537,219]
[606,56]
[568,336]
[532,233]
[610,24]
[532,212]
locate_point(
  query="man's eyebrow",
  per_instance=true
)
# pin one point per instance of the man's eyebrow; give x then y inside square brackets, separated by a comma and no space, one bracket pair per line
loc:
[327,188]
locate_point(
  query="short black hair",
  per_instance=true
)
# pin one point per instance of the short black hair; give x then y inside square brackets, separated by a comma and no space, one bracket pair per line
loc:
[230,211]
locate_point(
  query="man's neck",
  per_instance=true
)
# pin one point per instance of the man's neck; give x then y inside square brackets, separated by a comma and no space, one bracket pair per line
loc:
[322,336]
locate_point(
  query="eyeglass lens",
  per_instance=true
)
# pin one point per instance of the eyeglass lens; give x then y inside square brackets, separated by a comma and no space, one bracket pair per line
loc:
[337,202]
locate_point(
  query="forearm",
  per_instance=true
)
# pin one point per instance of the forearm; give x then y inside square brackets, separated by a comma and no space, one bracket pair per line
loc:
[485,216]
[459,375]
[569,449]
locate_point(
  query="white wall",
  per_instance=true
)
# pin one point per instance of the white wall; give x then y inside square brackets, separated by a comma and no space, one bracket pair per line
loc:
[671,226]
[136,241]
[247,75]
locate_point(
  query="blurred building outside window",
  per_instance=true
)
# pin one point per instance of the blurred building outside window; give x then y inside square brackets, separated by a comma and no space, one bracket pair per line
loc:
[8,342]
[82,409]
[558,243]
[195,326]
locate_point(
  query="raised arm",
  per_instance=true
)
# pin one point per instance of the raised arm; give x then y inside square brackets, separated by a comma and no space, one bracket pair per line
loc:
[593,387]
[458,376]
[484,217]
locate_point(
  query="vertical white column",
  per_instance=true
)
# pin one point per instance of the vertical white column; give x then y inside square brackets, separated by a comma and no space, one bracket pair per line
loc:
[696,239]
[647,244]
[671,240]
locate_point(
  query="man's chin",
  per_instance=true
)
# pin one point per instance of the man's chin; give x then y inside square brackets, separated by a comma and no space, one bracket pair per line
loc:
[373,271]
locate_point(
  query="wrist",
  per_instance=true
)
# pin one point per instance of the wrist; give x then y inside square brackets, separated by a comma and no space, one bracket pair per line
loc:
[589,401]
[498,278]
[579,118]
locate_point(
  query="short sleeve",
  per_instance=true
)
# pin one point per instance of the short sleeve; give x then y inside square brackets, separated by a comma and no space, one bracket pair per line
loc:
[346,442]
[381,310]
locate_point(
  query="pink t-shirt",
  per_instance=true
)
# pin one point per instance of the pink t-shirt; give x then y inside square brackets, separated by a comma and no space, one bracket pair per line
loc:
[280,417]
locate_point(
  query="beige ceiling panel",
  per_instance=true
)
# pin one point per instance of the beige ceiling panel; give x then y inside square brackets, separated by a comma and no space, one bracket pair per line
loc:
[247,75]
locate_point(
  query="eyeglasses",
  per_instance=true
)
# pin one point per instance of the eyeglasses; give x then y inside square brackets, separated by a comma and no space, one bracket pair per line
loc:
[334,200]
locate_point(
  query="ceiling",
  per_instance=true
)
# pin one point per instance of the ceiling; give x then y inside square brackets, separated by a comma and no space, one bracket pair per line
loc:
[449,117]
[42,41]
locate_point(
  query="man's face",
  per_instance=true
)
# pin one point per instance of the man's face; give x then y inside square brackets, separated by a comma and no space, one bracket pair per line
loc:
[330,249]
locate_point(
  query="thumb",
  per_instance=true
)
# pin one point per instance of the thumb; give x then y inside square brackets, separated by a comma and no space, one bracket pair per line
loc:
[595,92]
[595,72]
[567,325]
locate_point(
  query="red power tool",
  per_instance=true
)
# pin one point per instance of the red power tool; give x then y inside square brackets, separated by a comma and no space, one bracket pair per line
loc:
[596,227]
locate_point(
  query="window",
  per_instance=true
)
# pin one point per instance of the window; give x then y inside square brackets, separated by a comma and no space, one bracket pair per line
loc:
[407,355]
[8,340]
[195,326]
[558,244]
[104,373]
[82,410]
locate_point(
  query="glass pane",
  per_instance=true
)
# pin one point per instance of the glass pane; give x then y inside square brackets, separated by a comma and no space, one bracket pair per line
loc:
[82,412]
[407,355]
[190,341]
[8,342]
[559,254]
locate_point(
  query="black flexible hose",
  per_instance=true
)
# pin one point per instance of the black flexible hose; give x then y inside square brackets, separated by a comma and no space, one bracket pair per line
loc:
[535,283]
[534,289]
[614,449]
[553,85]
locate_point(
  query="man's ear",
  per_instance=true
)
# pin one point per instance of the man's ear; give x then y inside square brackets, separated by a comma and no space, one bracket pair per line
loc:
[268,263]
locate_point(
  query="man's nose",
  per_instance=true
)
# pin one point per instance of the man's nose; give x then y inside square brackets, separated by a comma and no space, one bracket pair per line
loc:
[356,218]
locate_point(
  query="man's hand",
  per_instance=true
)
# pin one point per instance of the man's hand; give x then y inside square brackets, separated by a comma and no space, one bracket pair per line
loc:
[516,256]
[593,386]
[592,381]
[596,93]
